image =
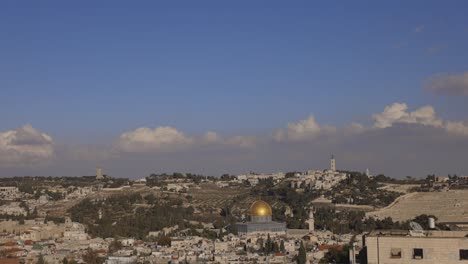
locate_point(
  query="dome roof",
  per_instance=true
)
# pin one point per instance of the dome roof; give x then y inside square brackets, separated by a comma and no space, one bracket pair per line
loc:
[260,208]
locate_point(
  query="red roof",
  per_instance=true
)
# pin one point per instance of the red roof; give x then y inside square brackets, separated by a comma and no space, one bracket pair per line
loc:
[9,244]
[9,261]
[328,247]
[11,250]
[137,243]
[28,242]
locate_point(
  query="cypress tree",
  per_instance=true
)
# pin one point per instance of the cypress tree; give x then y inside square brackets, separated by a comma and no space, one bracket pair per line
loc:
[302,257]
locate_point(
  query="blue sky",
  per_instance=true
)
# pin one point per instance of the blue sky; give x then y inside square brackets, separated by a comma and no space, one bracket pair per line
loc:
[86,72]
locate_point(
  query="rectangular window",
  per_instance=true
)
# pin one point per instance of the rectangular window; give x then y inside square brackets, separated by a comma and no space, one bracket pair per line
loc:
[418,253]
[463,254]
[395,253]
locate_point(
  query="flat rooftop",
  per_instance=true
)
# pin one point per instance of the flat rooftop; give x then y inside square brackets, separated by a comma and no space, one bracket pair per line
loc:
[422,234]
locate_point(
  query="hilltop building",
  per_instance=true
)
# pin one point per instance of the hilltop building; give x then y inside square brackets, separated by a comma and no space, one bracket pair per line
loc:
[332,164]
[260,221]
[99,175]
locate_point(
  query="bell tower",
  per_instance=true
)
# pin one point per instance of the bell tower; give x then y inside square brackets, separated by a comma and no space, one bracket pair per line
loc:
[99,175]
[332,163]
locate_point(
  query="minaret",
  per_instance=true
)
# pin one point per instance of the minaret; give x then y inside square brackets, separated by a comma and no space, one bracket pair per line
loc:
[311,220]
[332,163]
[99,174]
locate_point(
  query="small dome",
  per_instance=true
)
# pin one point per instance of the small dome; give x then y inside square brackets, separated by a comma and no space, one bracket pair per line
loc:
[260,208]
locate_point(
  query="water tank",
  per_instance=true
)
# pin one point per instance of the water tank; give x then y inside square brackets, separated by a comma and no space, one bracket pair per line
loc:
[431,223]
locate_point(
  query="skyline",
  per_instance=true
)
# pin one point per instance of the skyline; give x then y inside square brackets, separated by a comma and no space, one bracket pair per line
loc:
[233,87]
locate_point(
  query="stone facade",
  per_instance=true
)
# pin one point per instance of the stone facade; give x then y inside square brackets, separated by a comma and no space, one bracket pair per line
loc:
[261,227]
[431,247]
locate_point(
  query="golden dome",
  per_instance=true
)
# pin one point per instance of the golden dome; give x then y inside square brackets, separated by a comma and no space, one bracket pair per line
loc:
[260,208]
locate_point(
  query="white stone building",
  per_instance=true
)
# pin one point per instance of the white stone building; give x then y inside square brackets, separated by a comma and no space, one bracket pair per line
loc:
[13,208]
[430,247]
[9,193]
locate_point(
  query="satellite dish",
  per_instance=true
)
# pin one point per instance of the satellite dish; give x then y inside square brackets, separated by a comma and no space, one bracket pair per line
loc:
[416,229]
[415,226]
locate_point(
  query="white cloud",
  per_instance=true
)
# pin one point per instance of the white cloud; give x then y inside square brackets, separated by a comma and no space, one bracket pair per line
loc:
[146,139]
[448,84]
[25,145]
[392,113]
[458,128]
[425,116]
[168,138]
[303,130]
[397,113]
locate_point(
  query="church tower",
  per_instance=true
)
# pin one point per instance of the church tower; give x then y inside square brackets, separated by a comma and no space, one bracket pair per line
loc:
[99,175]
[332,164]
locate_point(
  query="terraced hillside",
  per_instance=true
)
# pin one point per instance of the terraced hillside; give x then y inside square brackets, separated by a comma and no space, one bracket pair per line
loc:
[446,206]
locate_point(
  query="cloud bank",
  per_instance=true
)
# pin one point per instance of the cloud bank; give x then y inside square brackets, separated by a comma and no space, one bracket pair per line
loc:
[25,146]
[396,141]
[302,130]
[146,139]
[397,113]
[448,84]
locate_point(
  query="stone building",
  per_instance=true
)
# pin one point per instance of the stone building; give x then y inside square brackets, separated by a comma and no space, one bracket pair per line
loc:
[9,193]
[387,247]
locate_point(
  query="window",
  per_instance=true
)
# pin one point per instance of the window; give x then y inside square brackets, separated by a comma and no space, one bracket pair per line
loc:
[395,253]
[417,253]
[463,254]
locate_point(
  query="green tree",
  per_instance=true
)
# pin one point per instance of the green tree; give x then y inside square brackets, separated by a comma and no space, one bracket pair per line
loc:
[268,245]
[302,256]
[282,248]
[275,247]
[65,261]
[334,255]
[114,246]
[164,241]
